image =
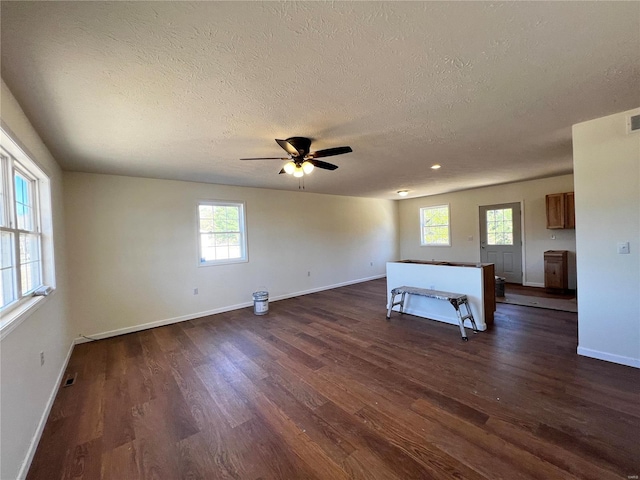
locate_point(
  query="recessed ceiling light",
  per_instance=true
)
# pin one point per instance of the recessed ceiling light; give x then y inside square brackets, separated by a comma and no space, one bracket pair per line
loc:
[403,193]
[436,166]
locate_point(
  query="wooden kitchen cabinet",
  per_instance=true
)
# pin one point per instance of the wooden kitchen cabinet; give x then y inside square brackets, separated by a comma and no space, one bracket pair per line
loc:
[570,209]
[560,210]
[555,270]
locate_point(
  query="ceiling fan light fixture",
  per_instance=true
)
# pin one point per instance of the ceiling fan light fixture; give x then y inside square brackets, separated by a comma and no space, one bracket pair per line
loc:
[289,167]
[300,160]
[403,193]
[307,167]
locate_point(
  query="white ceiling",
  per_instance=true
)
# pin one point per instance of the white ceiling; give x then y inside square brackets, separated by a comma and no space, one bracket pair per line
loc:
[183,90]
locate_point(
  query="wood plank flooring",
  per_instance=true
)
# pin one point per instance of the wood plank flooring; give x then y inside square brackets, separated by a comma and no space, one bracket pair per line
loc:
[538,292]
[323,387]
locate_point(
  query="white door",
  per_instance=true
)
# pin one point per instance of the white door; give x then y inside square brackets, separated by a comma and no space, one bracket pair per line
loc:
[501,240]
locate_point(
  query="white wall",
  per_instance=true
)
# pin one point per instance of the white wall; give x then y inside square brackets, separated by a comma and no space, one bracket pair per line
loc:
[607,177]
[135,258]
[465,223]
[26,387]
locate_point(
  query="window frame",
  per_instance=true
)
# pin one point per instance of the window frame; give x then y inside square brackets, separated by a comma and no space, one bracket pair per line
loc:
[14,160]
[19,169]
[242,221]
[501,232]
[423,210]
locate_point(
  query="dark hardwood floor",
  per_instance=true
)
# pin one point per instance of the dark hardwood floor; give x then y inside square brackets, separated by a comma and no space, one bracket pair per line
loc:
[537,291]
[324,387]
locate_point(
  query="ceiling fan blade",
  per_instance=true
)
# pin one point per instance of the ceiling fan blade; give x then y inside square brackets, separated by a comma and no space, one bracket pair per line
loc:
[321,164]
[266,158]
[329,152]
[290,149]
[281,172]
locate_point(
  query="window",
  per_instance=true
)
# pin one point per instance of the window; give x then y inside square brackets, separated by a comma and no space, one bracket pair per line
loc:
[434,226]
[25,206]
[500,226]
[221,233]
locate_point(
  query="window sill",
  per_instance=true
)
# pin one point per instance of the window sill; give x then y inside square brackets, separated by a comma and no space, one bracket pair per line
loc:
[18,314]
[223,262]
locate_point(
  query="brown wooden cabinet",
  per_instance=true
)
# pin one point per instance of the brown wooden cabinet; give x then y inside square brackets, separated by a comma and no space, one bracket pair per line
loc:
[570,209]
[560,210]
[555,270]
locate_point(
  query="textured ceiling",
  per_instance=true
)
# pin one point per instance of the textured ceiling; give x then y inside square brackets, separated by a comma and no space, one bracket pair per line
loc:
[183,90]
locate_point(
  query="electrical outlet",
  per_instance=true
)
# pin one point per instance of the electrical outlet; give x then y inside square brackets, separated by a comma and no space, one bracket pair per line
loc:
[623,248]
[195,291]
[41,358]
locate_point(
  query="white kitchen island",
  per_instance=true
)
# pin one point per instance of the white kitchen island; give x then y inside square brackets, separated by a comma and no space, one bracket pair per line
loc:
[476,280]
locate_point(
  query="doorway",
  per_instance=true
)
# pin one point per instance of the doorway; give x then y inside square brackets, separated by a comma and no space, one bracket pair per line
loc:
[501,240]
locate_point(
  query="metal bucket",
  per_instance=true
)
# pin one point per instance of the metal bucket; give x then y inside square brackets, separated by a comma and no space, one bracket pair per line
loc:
[261,302]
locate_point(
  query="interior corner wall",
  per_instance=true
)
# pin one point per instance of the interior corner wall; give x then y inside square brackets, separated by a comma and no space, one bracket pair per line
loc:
[607,178]
[465,225]
[135,248]
[26,388]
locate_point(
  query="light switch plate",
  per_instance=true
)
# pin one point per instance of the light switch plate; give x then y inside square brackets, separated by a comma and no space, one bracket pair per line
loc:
[623,248]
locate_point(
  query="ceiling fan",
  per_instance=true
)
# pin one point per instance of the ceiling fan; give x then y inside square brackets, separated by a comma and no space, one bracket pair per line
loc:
[301,160]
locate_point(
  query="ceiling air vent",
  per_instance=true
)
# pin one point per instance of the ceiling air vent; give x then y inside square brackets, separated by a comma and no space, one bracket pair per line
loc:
[633,124]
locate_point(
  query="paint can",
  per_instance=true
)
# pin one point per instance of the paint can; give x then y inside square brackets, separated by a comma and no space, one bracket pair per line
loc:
[261,302]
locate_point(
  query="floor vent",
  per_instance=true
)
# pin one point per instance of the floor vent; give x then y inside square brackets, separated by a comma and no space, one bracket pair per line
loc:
[633,124]
[70,380]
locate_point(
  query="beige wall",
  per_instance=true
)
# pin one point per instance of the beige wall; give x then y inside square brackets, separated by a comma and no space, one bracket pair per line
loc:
[465,218]
[26,387]
[135,254]
[607,176]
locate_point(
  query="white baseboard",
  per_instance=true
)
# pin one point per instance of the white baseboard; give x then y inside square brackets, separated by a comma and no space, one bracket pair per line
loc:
[328,287]
[228,308]
[609,357]
[24,468]
[158,323]
[533,284]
